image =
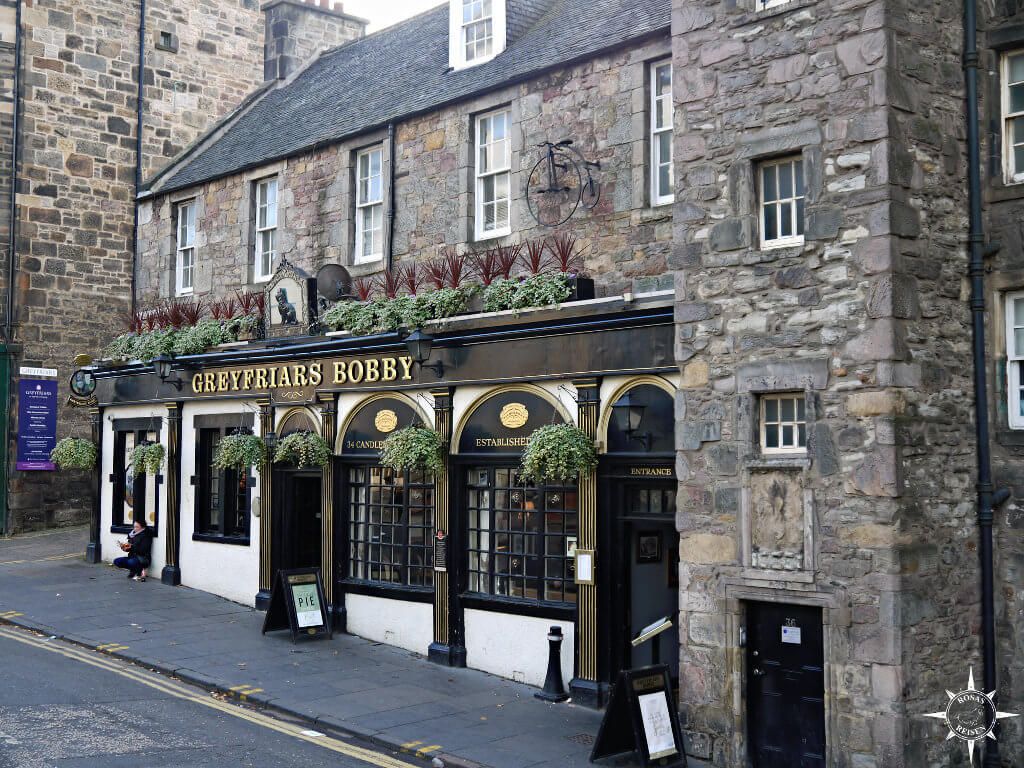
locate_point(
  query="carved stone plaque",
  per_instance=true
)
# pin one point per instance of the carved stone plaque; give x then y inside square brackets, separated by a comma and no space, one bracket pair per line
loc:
[776,520]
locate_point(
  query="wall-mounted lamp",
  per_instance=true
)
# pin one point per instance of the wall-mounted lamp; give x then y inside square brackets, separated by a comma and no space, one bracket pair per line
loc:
[420,345]
[162,367]
[270,439]
[628,414]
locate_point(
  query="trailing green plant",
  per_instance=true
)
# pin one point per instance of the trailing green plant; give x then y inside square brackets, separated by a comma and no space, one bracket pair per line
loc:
[382,314]
[123,347]
[244,325]
[240,451]
[147,458]
[200,337]
[74,453]
[415,447]
[302,449]
[154,343]
[543,290]
[559,453]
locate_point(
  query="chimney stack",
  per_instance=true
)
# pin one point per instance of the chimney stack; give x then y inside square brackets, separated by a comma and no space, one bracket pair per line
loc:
[297,30]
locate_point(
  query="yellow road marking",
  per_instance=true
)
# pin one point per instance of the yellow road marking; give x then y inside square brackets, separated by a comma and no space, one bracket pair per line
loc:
[40,559]
[424,751]
[410,744]
[10,614]
[179,691]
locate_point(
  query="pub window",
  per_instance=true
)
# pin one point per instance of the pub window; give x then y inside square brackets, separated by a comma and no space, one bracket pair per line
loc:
[1013,116]
[186,262]
[222,501]
[493,174]
[134,495]
[391,526]
[266,228]
[521,536]
[782,202]
[1015,358]
[369,205]
[783,424]
[661,134]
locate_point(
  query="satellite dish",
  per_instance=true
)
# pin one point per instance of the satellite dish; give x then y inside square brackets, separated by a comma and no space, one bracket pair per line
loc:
[333,282]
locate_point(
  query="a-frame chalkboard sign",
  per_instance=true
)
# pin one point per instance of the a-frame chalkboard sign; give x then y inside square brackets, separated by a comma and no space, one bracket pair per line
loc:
[297,602]
[641,717]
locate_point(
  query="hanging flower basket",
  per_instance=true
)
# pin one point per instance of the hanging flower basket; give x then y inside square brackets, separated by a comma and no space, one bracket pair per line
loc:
[415,448]
[303,449]
[147,458]
[240,452]
[74,453]
[559,453]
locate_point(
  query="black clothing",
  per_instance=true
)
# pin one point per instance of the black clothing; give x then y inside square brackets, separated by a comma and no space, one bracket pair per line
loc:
[141,545]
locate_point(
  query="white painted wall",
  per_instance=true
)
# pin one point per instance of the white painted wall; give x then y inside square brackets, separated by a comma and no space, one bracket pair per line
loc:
[515,647]
[227,570]
[109,541]
[395,622]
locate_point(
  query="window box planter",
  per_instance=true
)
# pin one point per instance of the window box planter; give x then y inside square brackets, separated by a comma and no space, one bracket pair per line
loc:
[582,288]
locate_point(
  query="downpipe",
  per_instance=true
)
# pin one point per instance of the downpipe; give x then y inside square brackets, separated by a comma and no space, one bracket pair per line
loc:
[988,498]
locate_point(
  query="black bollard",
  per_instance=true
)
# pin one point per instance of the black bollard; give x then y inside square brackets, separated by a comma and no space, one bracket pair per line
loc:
[554,690]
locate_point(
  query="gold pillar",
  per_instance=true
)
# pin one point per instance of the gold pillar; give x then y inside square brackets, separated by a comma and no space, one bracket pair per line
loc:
[441,649]
[588,398]
[266,508]
[171,573]
[328,415]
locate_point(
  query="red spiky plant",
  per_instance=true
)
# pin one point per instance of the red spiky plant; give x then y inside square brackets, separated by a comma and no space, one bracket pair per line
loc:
[191,311]
[364,287]
[533,257]
[457,266]
[251,302]
[136,322]
[410,277]
[567,257]
[435,272]
[223,309]
[389,283]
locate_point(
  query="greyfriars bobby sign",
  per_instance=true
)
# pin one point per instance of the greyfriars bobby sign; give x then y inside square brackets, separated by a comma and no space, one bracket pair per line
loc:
[290,302]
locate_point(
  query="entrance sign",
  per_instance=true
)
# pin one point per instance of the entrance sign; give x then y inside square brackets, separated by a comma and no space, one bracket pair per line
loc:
[297,602]
[37,424]
[441,551]
[641,717]
[29,371]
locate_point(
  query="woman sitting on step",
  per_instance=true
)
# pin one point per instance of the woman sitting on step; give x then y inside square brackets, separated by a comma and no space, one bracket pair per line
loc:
[138,549]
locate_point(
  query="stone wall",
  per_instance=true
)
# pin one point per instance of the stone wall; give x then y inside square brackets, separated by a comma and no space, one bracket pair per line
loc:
[601,104]
[867,319]
[297,30]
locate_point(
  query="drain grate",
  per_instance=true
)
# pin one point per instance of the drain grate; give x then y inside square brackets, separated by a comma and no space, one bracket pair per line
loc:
[583,738]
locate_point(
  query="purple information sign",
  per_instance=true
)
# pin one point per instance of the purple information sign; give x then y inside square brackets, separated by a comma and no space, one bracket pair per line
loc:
[37,423]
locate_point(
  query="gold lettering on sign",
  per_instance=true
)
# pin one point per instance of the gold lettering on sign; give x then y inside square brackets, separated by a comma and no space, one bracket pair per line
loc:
[375,445]
[651,472]
[502,442]
[303,375]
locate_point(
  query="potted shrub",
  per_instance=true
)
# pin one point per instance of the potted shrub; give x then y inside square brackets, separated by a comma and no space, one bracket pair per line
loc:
[415,448]
[558,453]
[569,261]
[147,458]
[240,451]
[303,449]
[74,453]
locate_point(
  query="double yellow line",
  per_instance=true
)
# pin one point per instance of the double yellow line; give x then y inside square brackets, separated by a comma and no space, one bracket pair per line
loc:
[180,691]
[51,558]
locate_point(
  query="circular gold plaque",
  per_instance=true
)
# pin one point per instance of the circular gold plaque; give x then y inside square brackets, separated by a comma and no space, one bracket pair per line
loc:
[385,421]
[514,415]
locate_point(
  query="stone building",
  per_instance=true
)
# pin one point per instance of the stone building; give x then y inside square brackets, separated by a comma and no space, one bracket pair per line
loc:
[794,231]
[81,160]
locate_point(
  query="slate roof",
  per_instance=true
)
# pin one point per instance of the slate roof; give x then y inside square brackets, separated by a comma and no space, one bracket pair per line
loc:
[399,72]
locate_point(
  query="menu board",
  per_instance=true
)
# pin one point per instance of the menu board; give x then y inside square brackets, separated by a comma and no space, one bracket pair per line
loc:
[37,424]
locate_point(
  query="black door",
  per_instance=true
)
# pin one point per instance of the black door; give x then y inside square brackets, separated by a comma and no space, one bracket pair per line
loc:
[300,521]
[785,686]
[649,587]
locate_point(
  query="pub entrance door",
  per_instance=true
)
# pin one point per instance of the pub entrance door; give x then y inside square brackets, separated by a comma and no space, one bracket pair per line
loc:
[650,576]
[300,514]
[785,686]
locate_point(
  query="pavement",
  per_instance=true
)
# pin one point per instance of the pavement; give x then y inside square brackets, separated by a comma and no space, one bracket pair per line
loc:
[346,684]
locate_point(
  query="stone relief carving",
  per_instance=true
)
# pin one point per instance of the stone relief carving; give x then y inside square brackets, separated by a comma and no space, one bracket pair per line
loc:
[776,520]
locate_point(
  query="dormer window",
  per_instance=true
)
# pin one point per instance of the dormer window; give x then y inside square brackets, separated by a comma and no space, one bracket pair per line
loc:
[476,31]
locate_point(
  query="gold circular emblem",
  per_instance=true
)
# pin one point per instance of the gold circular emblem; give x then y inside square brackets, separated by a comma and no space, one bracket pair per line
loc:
[514,415]
[385,421]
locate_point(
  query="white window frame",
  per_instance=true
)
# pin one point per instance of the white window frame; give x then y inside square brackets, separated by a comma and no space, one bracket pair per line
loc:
[493,172]
[764,5]
[658,195]
[1014,364]
[793,449]
[375,206]
[1012,174]
[796,217]
[185,261]
[457,33]
[265,202]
